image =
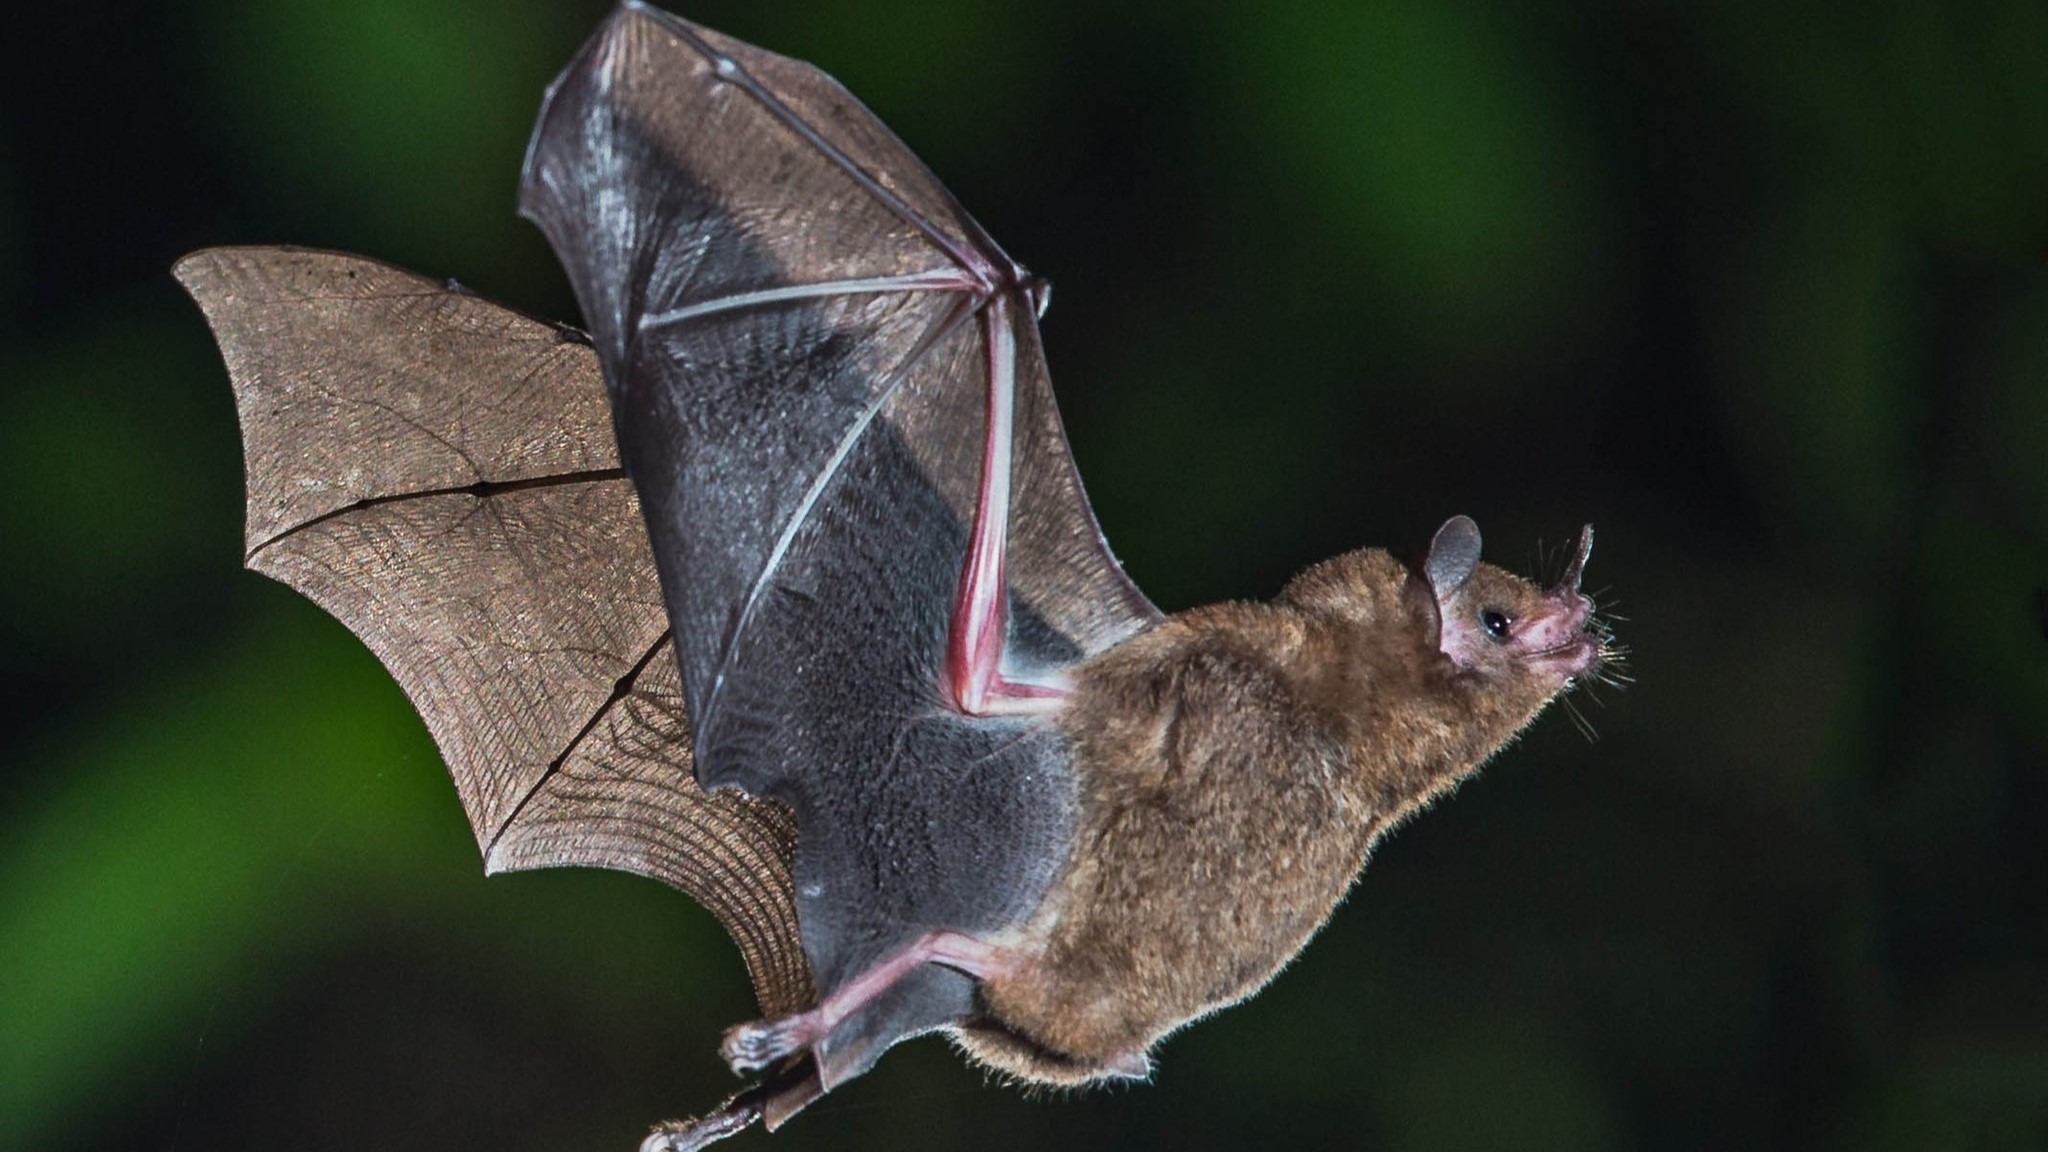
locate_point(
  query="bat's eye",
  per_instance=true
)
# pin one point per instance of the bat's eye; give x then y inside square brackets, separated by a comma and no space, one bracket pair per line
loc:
[1497,623]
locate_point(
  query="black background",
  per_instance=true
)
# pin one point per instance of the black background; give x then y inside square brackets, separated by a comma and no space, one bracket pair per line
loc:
[1756,288]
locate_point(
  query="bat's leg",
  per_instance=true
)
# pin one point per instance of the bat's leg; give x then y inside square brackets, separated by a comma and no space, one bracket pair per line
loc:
[981,611]
[762,1042]
[773,1100]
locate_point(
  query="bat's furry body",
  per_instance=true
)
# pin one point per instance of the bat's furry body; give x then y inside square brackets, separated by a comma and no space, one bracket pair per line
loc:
[1237,763]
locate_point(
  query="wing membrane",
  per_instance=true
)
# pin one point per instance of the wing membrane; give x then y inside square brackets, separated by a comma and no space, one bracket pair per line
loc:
[796,326]
[618,800]
[692,185]
[439,474]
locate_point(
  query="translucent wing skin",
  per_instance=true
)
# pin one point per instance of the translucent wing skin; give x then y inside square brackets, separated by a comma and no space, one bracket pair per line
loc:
[439,474]
[811,352]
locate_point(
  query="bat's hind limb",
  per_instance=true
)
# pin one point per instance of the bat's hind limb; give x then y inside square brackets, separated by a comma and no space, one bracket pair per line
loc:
[755,1045]
[776,1098]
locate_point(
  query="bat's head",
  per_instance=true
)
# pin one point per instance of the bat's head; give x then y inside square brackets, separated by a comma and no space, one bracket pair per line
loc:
[1521,641]
[1479,647]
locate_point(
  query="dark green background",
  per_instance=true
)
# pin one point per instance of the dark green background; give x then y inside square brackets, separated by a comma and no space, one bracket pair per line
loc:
[1759,289]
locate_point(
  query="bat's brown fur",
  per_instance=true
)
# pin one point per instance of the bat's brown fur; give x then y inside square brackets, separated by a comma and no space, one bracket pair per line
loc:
[1236,765]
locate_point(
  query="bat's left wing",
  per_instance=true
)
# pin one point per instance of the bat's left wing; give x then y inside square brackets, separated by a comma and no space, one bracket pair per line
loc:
[438,473]
[830,396]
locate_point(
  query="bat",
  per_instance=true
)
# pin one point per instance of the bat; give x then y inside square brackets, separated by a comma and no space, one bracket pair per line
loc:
[780,586]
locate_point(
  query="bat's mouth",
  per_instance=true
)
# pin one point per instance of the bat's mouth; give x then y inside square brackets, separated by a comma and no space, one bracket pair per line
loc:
[1575,658]
[1582,641]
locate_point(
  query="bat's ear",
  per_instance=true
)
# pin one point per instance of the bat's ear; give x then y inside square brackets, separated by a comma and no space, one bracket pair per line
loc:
[1453,554]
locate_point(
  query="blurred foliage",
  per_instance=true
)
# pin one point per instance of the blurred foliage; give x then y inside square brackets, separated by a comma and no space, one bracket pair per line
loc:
[1758,288]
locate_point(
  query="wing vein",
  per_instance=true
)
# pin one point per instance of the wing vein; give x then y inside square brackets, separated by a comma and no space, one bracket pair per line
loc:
[933,336]
[480,489]
[938,279]
[620,689]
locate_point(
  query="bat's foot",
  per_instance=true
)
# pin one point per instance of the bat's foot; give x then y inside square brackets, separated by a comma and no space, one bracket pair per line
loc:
[690,1135]
[771,1102]
[755,1045]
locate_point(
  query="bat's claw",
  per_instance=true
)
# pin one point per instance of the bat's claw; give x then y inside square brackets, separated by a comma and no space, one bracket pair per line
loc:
[755,1045]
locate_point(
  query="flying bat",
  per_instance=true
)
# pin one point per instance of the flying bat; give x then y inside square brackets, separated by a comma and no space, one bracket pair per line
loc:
[779,586]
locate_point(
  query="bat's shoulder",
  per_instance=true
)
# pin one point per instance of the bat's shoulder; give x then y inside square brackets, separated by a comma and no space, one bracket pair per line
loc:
[1229,659]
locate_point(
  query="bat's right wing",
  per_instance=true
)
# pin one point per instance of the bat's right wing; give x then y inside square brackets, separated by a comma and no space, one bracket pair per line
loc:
[830,395]
[439,474]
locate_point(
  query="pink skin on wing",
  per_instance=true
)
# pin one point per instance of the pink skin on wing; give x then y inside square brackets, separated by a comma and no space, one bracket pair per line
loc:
[974,680]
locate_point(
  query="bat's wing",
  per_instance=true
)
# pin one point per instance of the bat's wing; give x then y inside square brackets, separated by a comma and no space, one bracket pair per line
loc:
[829,393]
[439,474]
